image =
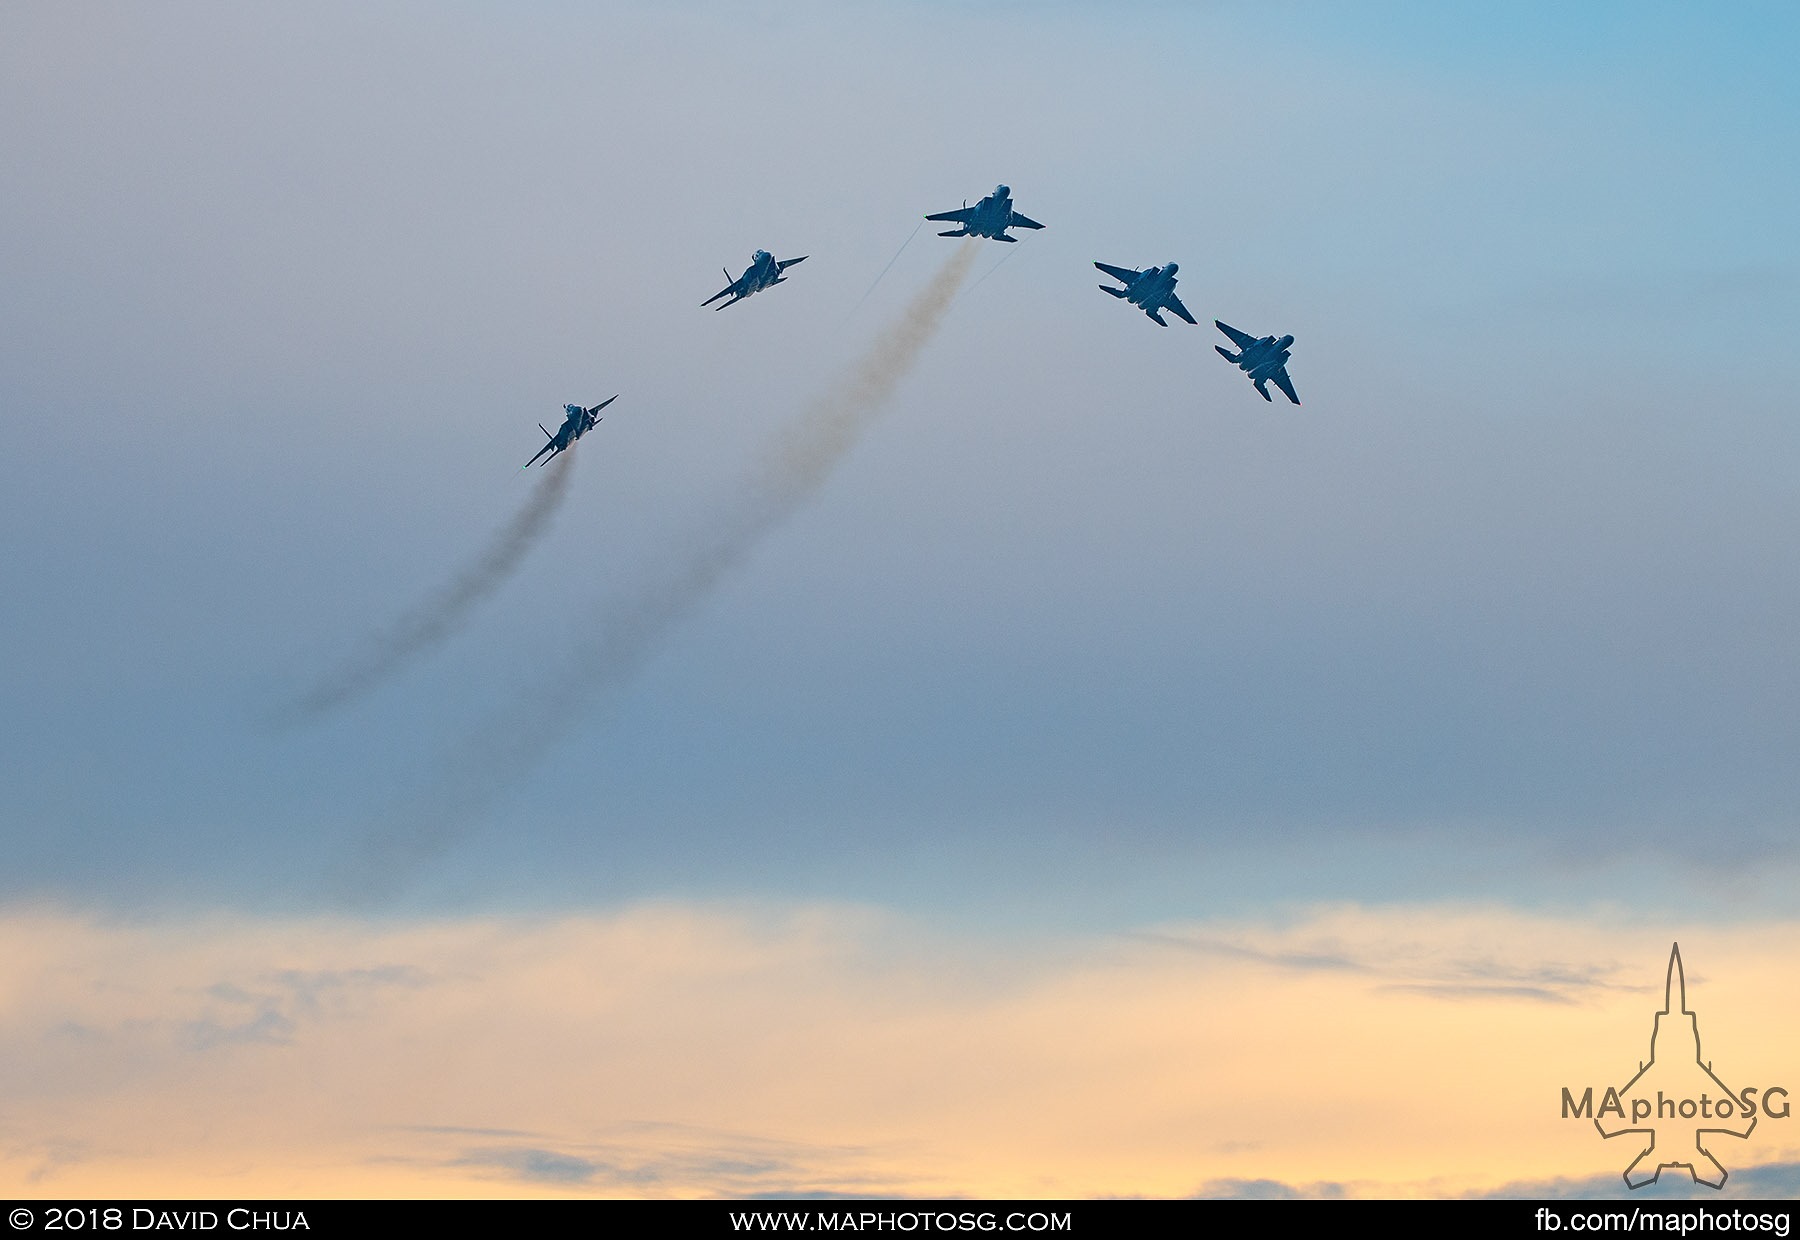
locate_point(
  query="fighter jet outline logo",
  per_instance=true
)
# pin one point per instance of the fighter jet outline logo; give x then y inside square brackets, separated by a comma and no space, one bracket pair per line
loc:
[1692,1150]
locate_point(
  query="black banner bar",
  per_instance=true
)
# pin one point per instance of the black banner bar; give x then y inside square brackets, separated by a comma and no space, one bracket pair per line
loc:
[48,1217]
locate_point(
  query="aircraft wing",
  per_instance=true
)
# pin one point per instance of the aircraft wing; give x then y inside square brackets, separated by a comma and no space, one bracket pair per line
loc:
[785,263]
[1285,384]
[603,404]
[732,288]
[1242,340]
[549,447]
[1020,221]
[962,215]
[1174,304]
[1124,275]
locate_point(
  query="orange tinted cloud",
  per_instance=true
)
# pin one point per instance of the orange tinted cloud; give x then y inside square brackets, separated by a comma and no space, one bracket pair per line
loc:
[687,1049]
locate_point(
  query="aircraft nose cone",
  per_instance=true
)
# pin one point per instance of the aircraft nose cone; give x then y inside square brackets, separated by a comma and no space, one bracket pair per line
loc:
[1172,268]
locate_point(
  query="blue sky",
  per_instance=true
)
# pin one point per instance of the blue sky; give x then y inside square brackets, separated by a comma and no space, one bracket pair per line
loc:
[1505,606]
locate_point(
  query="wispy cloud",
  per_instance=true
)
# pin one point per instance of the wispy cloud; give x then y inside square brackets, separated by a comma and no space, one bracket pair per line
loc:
[1453,990]
[543,1166]
[1269,1190]
[269,1009]
[641,1158]
[1441,967]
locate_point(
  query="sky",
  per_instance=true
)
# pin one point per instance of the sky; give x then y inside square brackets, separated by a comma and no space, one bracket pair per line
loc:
[940,733]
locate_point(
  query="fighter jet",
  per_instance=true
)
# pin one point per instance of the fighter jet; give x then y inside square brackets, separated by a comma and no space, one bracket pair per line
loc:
[1262,360]
[577,423]
[1153,290]
[990,217]
[764,272]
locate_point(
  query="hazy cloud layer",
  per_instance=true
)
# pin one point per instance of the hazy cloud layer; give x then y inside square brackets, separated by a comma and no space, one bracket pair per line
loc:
[682,1049]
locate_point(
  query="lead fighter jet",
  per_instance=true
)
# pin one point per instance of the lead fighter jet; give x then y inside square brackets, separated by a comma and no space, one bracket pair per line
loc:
[763,272]
[1153,290]
[990,217]
[1262,360]
[576,423]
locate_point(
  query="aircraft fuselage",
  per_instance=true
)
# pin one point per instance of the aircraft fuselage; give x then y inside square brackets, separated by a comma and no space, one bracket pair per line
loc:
[1264,357]
[1267,369]
[1152,288]
[991,215]
[762,272]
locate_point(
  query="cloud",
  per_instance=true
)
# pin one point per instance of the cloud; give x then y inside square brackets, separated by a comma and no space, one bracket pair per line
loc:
[279,999]
[267,1025]
[1766,1181]
[693,1049]
[644,1158]
[1537,994]
[1268,1190]
[546,1166]
[1425,963]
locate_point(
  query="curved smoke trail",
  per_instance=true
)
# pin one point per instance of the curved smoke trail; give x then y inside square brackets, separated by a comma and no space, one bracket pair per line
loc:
[439,617]
[629,625]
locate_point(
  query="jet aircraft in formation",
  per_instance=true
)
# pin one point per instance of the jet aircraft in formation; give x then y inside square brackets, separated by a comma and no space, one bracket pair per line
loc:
[1153,290]
[763,272]
[1262,359]
[990,217]
[576,423]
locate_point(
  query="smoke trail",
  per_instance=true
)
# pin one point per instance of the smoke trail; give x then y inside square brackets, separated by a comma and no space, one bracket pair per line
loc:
[888,268]
[626,630]
[442,615]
